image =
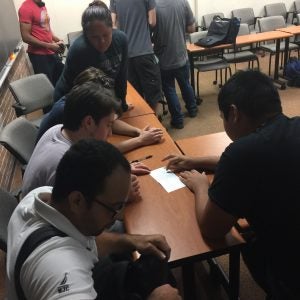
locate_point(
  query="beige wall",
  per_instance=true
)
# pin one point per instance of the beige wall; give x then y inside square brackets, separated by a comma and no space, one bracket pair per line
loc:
[65,14]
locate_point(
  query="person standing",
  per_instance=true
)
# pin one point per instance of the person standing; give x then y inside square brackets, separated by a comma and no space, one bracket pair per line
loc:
[135,17]
[173,19]
[43,44]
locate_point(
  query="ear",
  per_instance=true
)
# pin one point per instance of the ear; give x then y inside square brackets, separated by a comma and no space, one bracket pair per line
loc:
[77,202]
[234,113]
[87,122]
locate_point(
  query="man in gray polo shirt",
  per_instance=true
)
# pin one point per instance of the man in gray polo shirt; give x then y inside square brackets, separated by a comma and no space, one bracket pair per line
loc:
[174,19]
[135,17]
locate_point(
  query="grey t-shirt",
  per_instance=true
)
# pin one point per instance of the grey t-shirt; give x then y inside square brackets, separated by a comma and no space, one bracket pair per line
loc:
[172,19]
[41,168]
[132,17]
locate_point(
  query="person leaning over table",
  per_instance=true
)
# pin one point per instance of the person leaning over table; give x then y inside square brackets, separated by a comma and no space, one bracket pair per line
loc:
[257,178]
[142,137]
[83,202]
[99,46]
[104,48]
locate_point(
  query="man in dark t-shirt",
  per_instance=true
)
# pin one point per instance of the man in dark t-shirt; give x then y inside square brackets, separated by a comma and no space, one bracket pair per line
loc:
[257,178]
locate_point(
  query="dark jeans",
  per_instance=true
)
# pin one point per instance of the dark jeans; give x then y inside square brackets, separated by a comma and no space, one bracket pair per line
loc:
[182,76]
[51,65]
[144,75]
[116,278]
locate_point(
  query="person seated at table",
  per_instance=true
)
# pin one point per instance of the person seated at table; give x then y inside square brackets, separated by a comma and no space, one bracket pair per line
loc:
[75,261]
[257,178]
[90,111]
[141,137]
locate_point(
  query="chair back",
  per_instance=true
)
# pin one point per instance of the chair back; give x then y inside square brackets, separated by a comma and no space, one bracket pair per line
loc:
[298,18]
[32,93]
[275,9]
[19,137]
[297,6]
[7,205]
[246,15]
[209,17]
[72,36]
[271,23]
[244,29]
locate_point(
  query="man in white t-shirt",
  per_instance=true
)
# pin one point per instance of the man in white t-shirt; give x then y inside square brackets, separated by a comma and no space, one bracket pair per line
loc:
[84,201]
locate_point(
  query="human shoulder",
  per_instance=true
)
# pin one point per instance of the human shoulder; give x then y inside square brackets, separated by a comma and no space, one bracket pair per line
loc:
[80,47]
[60,268]
[25,12]
[119,37]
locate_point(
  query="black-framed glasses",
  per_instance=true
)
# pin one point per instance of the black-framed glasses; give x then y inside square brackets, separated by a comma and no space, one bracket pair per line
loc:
[114,211]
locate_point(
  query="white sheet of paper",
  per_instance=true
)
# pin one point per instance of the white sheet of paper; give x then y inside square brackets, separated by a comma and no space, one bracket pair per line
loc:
[169,181]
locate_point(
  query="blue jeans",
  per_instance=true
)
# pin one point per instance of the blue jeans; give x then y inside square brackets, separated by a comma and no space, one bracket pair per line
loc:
[182,76]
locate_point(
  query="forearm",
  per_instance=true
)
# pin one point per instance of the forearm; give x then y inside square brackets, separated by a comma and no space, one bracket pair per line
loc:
[114,243]
[122,128]
[114,20]
[55,38]
[31,40]
[208,163]
[129,145]
[201,199]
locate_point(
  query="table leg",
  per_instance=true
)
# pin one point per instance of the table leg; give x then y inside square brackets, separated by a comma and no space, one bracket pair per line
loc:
[286,54]
[276,70]
[188,279]
[234,274]
[192,72]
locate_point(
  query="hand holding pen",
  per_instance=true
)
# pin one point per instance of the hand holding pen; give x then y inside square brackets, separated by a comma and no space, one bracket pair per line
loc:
[138,168]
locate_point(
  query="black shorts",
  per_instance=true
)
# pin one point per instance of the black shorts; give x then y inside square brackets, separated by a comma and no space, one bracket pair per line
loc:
[144,75]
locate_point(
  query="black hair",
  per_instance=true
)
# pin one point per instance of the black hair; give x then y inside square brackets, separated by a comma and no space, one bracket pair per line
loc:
[88,99]
[84,168]
[96,11]
[252,92]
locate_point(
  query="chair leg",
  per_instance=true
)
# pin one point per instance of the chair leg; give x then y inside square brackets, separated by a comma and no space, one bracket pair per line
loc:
[270,59]
[216,80]
[221,78]
[198,92]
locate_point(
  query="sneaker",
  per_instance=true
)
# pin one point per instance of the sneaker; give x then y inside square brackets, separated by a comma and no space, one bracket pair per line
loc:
[193,113]
[177,125]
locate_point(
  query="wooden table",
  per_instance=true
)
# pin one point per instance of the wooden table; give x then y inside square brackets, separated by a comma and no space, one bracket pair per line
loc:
[291,29]
[242,40]
[141,107]
[208,145]
[173,215]
[204,145]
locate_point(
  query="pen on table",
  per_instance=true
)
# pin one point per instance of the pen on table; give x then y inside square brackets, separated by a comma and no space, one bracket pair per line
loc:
[141,159]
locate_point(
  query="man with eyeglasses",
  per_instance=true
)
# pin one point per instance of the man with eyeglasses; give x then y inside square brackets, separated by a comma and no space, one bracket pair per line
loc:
[72,263]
